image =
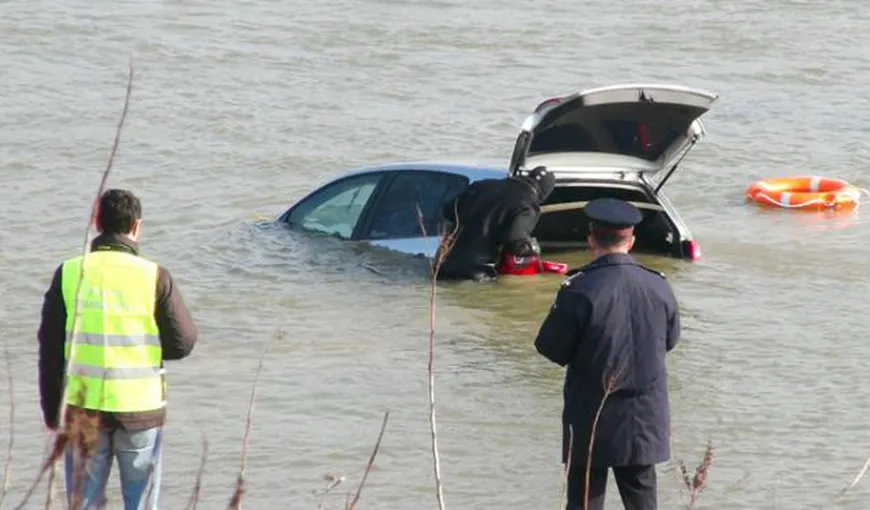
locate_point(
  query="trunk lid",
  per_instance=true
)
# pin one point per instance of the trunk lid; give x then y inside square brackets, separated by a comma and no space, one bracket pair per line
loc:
[654,125]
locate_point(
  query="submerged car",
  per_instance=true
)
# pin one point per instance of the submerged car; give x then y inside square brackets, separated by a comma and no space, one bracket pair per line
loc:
[621,141]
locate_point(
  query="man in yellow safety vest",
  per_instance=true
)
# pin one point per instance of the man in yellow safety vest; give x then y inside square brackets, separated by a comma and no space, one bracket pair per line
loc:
[131,318]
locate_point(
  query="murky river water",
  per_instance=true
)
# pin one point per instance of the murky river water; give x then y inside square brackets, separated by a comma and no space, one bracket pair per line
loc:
[240,107]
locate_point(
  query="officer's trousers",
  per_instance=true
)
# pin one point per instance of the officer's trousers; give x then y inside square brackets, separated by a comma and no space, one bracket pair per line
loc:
[637,487]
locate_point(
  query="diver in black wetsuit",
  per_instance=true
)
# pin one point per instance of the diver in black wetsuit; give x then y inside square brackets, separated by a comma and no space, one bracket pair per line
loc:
[495,216]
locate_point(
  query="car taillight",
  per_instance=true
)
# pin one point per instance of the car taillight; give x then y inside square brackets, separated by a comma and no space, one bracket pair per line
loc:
[694,250]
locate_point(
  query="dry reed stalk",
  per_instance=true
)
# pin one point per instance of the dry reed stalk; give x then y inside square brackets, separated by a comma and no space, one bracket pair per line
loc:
[87,241]
[197,486]
[332,481]
[609,387]
[236,499]
[445,246]
[50,494]
[7,469]
[60,441]
[564,499]
[858,477]
[697,481]
[369,464]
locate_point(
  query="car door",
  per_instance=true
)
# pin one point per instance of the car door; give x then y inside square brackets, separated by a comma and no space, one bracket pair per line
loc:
[336,208]
[394,221]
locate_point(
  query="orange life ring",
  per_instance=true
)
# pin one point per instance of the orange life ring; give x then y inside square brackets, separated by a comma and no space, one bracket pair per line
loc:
[810,192]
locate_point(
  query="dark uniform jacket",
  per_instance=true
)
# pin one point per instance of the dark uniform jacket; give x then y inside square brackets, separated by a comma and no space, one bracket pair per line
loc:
[177,336]
[493,215]
[614,317]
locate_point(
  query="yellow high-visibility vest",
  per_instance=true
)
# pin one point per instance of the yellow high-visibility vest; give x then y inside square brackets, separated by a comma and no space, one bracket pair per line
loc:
[116,364]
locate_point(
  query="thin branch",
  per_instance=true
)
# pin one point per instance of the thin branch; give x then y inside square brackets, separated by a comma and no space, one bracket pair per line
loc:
[446,244]
[197,486]
[370,462]
[609,388]
[87,243]
[699,480]
[7,470]
[60,442]
[151,465]
[236,500]
[564,499]
[332,481]
[49,497]
[858,477]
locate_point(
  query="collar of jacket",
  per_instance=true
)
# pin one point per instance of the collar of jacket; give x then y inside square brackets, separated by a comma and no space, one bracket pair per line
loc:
[115,242]
[612,259]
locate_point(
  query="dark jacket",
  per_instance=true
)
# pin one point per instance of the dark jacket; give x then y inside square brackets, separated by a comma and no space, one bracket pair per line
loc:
[177,336]
[614,317]
[494,215]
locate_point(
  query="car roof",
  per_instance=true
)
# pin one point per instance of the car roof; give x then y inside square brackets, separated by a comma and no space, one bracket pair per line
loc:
[474,171]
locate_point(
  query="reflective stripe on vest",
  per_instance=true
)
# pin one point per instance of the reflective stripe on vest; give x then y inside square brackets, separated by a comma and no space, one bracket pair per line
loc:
[116,365]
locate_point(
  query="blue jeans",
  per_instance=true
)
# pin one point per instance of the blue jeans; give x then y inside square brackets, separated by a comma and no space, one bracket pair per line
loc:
[139,461]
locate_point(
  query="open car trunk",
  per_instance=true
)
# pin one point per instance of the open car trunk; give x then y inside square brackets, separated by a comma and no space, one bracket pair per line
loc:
[654,125]
[564,226]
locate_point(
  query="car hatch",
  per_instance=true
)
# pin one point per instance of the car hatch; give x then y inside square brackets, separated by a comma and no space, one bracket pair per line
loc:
[653,125]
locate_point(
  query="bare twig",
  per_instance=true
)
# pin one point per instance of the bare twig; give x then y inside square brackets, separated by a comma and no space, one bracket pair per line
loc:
[7,470]
[858,477]
[609,387]
[197,486]
[370,463]
[50,494]
[332,481]
[236,500]
[60,441]
[151,464]
[87,243]
[567,467]
[447,241]
[698,481]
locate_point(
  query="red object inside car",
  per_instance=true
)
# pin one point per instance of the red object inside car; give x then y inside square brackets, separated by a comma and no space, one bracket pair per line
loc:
[511,265]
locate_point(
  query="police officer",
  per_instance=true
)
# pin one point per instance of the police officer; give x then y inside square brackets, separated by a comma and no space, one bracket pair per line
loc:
[612,323]
[494,216]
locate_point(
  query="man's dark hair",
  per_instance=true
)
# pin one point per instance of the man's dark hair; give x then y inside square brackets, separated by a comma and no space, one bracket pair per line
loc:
[118,211]
[607,238]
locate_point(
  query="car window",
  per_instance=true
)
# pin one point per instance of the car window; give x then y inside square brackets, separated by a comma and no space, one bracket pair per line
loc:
[336,208]
[396,215]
